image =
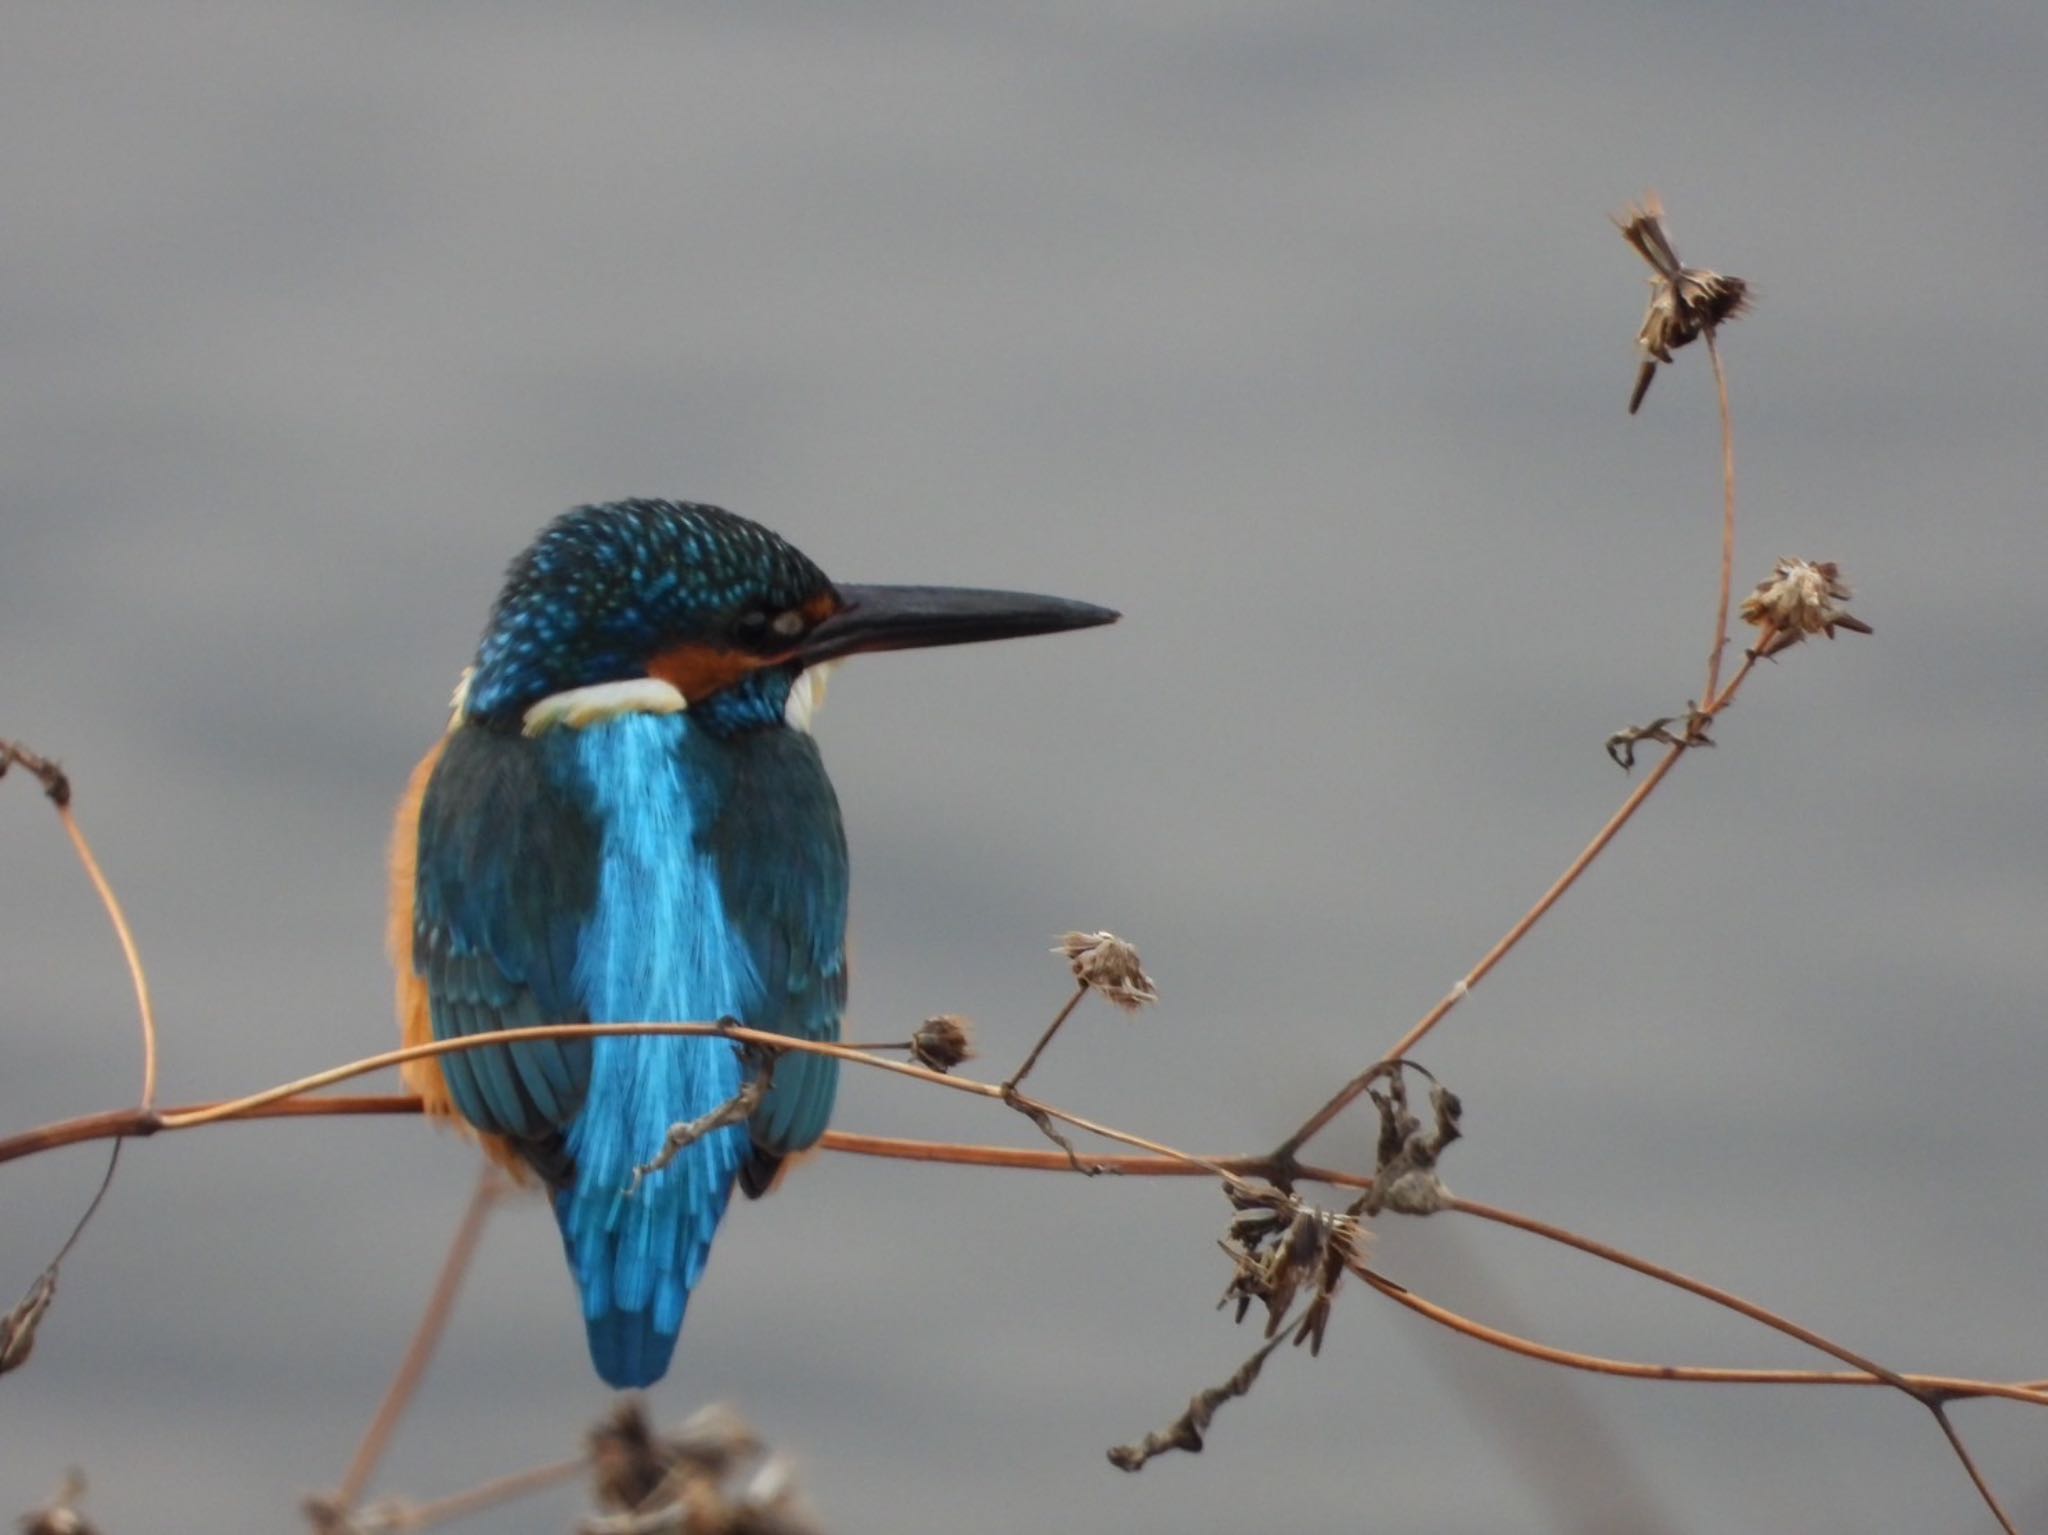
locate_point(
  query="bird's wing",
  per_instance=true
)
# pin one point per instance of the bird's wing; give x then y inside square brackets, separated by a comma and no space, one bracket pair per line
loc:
[782,868]
[506,873]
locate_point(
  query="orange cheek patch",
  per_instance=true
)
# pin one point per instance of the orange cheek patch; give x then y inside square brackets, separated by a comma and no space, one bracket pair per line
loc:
[698,671]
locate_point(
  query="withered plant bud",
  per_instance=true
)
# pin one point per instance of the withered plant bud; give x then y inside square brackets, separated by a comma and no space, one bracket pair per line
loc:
[1684,301]
[625,1464]
[18,1327]
[772,1504]
[60,1515]
[1800,598]
[1106,964]
[943,1043]
[714,1438]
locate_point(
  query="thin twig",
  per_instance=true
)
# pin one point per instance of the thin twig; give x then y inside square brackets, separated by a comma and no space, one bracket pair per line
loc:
[490,1186]
[1955,1441]
[1046,1038]
[1919,1388]
[503,1490]
[1166,1163]
[18,1327]
[132,1123]
[965,1154]
[237,1107]
[1679,1281]
[1727,514]
[1350,1091]
[129,951]
[57,787]
[138,1125]
[383,1060]
[1692,1374]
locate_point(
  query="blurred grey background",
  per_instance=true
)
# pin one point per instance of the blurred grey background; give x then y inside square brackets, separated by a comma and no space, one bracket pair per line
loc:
[1299,333]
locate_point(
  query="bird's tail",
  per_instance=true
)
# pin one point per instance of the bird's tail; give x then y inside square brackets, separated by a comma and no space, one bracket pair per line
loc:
[637,1243]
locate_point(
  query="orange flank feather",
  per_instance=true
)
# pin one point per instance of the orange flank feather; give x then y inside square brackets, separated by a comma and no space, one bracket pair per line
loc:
[415,1019]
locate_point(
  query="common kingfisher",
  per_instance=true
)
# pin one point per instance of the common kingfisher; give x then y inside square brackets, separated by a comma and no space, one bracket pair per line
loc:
[628,821]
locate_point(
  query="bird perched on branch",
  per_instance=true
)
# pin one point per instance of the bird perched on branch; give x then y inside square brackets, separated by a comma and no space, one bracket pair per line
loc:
[628,821]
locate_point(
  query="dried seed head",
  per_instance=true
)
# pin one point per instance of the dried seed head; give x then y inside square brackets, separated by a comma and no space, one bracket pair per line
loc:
[713,1438]
[59,1516]
[1800,597]
[772,1504]
[1108,965]
[1684,301]
[1280,1245]
[943,1043]
[625,1464]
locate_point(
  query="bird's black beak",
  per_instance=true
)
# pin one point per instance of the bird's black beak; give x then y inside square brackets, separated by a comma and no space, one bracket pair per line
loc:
[911,617]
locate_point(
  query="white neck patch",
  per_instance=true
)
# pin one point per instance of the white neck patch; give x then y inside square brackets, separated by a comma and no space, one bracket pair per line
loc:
[580,708]
[807,696]
[459,704]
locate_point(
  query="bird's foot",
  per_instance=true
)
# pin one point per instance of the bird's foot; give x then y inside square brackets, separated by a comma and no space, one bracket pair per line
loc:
[734,1111]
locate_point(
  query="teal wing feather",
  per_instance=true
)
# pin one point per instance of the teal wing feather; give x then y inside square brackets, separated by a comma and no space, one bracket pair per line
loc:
[781,853]
[505,878]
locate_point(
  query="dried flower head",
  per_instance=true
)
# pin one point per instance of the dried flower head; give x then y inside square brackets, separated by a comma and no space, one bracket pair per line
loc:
[1800,597]
[59,1516]
[685,1480]
[1280,1245]
[943,1042]
[1684,301]
[714,1439]
[1106,964]
[771,1503]
[626,1465]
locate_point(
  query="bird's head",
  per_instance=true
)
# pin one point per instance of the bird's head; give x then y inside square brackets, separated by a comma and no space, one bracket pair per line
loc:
[656,606]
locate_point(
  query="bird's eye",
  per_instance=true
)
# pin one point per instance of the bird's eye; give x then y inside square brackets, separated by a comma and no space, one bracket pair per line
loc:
[758,627]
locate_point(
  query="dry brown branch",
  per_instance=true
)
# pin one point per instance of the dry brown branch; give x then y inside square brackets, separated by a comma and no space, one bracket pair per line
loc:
[1243,1167]
[18,1328]
[1058,1018]
[1727,514]
[504,1489]
[1930,1392]
[57,787]
[1349,1092]
[490,1187]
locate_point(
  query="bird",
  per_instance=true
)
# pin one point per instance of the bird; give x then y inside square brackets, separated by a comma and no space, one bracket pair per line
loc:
[628,820]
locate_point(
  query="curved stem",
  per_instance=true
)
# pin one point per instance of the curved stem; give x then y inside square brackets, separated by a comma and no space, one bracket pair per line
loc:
[490,1185]
[1727,516]
[1696,1374]
[129,950]
[1678,1281]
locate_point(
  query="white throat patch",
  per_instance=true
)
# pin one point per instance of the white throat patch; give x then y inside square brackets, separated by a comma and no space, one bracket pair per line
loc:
[807,696]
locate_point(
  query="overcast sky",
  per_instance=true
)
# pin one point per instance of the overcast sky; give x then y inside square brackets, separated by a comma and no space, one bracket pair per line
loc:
[1300,334]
